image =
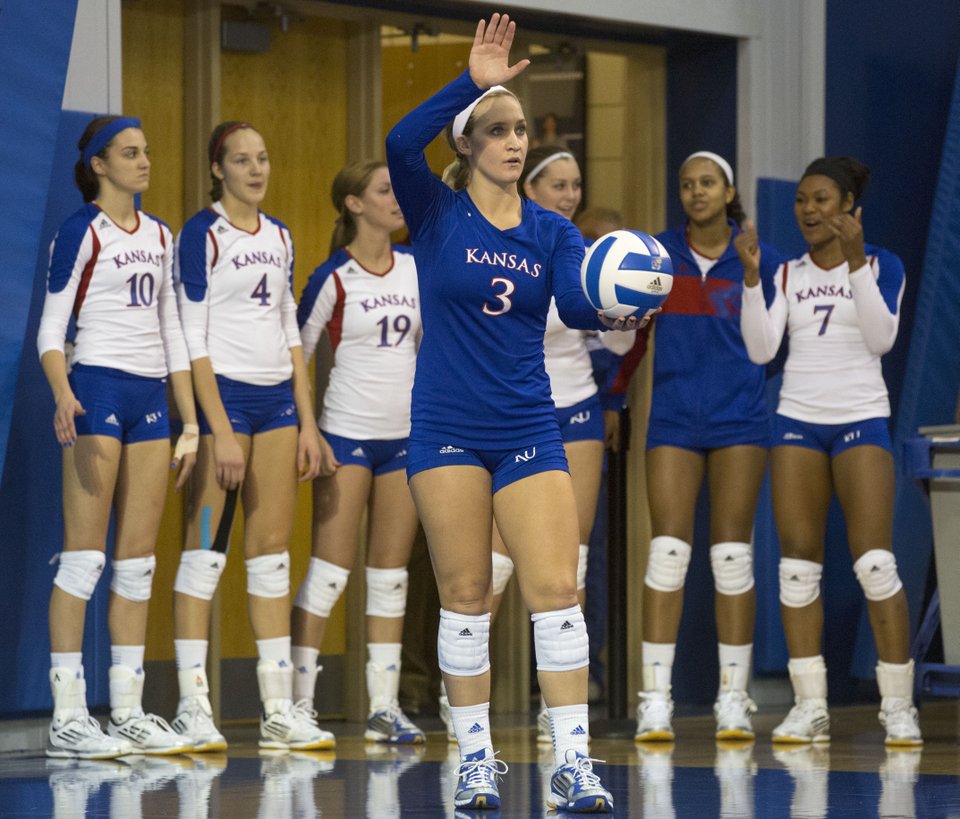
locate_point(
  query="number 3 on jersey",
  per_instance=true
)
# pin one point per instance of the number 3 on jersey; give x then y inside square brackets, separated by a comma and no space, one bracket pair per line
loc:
[260,292]
[503,297]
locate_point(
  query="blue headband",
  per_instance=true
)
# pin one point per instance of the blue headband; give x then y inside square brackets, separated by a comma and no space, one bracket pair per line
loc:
[102,138]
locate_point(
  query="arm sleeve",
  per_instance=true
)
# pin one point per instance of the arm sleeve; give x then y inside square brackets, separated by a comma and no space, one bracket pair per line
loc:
[762,327]
[288,304]
[174,345]
[770,262]
[877,292]
[575,311]
[66,267]
[417,189]
[322,301]
[192,270]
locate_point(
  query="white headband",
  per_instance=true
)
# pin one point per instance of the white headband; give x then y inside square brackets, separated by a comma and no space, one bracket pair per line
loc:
[460,120]
[724,165]
[544,162]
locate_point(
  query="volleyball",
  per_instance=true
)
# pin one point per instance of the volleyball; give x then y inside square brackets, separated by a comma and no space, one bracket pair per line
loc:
[626,272]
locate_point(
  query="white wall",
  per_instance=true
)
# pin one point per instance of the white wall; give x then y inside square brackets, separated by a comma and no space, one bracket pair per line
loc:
[94,74]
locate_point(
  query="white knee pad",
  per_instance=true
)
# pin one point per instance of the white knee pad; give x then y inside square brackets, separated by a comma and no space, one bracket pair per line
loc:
[799,582]
[582,566]
[560,640]
[79,572]
[269,575]
[877,572]
[322,587]
[502,572]
[667,564]
[732,565]
[386,592]
[199,573]
[463,643]
[133,578]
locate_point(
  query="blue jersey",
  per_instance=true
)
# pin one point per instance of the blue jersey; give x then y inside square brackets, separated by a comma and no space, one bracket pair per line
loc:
[480,378]
[702,376]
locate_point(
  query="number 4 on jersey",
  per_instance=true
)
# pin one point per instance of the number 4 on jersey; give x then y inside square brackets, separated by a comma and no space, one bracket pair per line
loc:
[260,292]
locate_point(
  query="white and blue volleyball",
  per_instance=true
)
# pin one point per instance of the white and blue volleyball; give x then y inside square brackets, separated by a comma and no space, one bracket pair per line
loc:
[626,272]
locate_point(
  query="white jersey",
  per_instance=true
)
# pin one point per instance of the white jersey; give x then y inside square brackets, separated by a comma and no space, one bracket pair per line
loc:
[373,321]
[840,324]
[236,296]
[118,284]
[567,361]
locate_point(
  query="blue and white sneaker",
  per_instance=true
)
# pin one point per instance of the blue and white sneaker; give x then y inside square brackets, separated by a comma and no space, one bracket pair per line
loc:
[477,781]
[394,727]
[577,789]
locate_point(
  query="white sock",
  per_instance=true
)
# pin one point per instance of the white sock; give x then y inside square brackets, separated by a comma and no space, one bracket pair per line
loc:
[658,666]
[71,660]
[130,656]
[276,649]
[384,654]
[895,680]
[735,666]
[809,677]
[472,726]
[305,671]
[571,730]
[190,654]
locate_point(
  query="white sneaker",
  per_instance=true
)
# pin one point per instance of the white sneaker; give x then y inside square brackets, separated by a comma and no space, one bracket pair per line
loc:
[901,720]
[447,718]
[81,737]
[732,710]
[654,712]
[150,734]
[392,726]
[808,721]
[194,720]
[544,728]
[294,728]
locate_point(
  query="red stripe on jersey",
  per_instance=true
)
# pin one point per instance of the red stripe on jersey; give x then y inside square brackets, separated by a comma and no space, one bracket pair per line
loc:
[691,296]
[163,239]
[335,325]
[86,275]
[786,270]
[216,250]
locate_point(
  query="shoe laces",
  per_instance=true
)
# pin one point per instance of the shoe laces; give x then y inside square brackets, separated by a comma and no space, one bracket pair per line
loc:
[476,773]
[303,710]
[583,774]
[155,720]
[736,699]
[88,725]
[900,712]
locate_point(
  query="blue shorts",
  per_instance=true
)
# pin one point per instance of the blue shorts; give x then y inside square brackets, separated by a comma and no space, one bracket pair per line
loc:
[832,439]
[505,465]
[121,405]
[380,457]
[252,408]
[582,422]
[702,441]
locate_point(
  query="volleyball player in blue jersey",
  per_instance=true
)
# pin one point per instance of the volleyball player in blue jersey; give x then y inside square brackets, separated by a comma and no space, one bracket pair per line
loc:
[484,434]
[708,415]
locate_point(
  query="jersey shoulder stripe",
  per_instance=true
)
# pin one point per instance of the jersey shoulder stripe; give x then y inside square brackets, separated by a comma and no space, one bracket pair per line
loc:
[86,275]
[335,325]
[891,275]
[164,228]
[315,284]
[66,246]
[192,253]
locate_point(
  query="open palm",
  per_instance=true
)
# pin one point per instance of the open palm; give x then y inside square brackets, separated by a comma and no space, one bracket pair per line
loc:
[490,54]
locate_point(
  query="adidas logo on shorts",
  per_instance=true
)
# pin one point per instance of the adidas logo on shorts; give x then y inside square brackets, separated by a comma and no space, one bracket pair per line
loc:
[447,450]
[358,452]
[112,420]
[792,436]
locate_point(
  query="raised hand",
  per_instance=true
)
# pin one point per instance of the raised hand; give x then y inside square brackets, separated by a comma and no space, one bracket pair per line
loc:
[849,230]
[747,245]
[490,54]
